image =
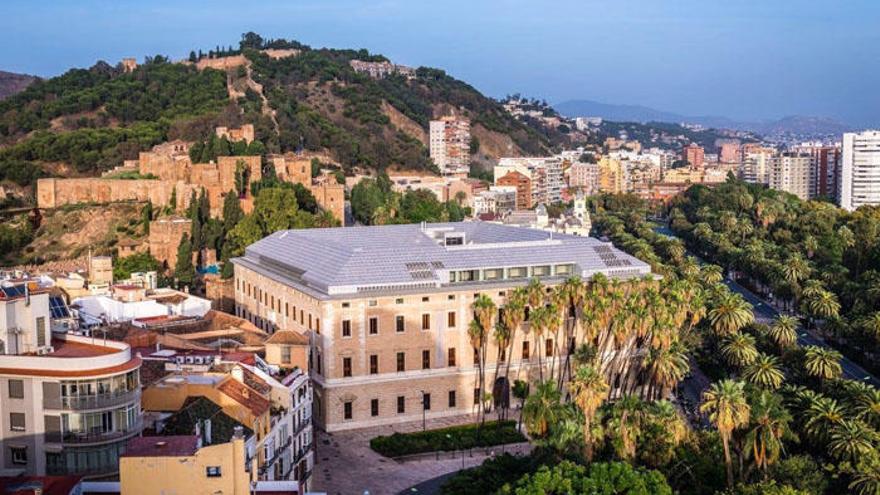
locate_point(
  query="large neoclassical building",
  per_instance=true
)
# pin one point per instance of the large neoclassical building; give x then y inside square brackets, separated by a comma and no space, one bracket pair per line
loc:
[387,308]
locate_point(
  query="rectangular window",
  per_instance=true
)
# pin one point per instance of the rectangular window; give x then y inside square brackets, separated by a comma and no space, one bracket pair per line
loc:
[450,319]
[399,300]
[476,396]
[374,364]
[450,356]
[502,355]
[426,321]
[310,321]
[425,299]
[401,404]
[493,273]
[346,328]
[347,410]
[563,270]
[16,422]
[401,361]
[400,323]
[346,366]
[374,325]
[548,347]
[41,331]
[517,272]
[426,360]
[213,471]
[374,407]
[541,271]
[450,297]
[525,350]
[426,402]
[18,455]
[287,310]
[16,389]
[285,354]
[372,303]
[452,398]
[346,305]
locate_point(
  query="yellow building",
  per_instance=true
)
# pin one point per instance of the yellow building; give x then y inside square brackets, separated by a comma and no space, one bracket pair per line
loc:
[611,175]
[181,465]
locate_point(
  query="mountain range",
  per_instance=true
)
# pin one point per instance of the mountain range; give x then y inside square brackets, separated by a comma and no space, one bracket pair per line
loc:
[794,124]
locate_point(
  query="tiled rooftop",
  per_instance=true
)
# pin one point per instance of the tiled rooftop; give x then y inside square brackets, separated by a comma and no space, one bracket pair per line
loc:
[339,260]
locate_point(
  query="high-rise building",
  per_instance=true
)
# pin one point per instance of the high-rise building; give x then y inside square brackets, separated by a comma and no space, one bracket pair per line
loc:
[612,175]
[522,185]
[792,173]
[730,152]
[584,176]
[826,161]
[388,333]
[754,165]
[859,177]
[450,141]
[546,174]
[694,155]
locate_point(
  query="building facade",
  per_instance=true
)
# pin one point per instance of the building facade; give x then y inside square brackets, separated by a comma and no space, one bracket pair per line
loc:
[68,403]
[859,182]
[694,155]
[449,145]
[521,184]
[792,173]
[388,334]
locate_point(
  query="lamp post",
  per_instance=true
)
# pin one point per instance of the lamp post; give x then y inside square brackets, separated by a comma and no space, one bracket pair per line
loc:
[424,410]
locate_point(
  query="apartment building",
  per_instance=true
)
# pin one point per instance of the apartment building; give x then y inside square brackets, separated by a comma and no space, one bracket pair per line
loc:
[612,175]
[68,403]
[694,155]
[859,177]
[792,173]
[449,142]
[754,166]
[584,176]
[826,163]
[545,173]
[387,308]
[519,183]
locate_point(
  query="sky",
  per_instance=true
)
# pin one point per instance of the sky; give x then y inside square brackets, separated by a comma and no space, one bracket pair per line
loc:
[743,59]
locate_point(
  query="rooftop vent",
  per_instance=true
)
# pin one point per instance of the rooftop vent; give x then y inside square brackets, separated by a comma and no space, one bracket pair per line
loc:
[609,257]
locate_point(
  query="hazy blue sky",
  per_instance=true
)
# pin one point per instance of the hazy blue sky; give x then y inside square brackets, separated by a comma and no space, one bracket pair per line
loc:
[744,59]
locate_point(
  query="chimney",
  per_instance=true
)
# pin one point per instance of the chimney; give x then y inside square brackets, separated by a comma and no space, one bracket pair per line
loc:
[238,374]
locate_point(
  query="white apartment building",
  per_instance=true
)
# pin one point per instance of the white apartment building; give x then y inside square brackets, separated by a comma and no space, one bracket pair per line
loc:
[793,173]
[497,200]
[449,145]
[754,166]
[859,175]
[68,404]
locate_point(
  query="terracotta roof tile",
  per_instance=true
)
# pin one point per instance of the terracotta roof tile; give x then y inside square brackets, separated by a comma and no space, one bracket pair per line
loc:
[164,446]
[244,395]
[288,337]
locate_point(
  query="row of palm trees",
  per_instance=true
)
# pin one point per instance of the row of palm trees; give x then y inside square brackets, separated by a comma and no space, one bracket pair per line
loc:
[630,332]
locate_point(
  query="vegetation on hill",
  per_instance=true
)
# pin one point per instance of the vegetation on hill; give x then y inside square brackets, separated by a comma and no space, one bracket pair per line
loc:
[373,202]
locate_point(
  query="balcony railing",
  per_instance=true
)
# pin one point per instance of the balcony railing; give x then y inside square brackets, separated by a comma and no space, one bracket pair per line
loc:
[80,438]
[85,402]
[275,455]
[298,455]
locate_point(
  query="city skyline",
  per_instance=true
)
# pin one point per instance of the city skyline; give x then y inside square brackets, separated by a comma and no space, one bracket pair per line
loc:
[685,58]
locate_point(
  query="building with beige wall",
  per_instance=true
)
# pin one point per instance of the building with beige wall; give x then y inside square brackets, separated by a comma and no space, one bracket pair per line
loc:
[69,403]
[793,173]
[387,308]
[165,236]
[244,133]
[612,176]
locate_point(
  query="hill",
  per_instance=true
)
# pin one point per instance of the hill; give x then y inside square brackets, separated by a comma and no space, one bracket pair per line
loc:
[89,120]
[793,125]
[12,83]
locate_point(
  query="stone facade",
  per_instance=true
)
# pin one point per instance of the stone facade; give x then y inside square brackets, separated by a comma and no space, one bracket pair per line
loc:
[165,237]
[220,292]
[53,193]
[244,133]
[438,360]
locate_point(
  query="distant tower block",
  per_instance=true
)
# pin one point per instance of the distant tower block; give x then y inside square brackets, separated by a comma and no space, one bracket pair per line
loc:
[129,64]
[100,270]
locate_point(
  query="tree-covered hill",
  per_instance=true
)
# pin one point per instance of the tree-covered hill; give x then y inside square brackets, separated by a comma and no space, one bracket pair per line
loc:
[90,120]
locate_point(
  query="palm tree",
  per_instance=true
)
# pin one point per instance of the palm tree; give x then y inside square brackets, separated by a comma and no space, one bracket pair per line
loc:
[628,414]
[783,331]
[866,479]
[871,325]
[764,372]
[730,313]
[477,337]
[667,367]
[711,274]
[851,440]
[542,409]
[726,404]
[769,424]
[822,363]
[822,414]
[823,305]
[867,405]
[588,389]
[484,314]
[514,314]
[739,349]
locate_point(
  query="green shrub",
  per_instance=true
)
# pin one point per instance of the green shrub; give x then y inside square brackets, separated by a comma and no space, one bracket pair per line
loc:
[446,439]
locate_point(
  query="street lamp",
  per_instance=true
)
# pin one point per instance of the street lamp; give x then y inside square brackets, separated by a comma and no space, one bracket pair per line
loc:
[424,410]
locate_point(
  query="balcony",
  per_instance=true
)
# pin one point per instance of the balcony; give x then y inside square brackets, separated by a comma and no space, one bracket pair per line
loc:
[86,438]
[86,402]
[275,455]
[298,455]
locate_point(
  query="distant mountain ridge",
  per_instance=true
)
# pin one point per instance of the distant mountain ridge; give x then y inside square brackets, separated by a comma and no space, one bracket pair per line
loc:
[795,124]
[12,83]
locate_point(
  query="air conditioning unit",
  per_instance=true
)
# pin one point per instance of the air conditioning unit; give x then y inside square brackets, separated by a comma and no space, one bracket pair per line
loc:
[45,350]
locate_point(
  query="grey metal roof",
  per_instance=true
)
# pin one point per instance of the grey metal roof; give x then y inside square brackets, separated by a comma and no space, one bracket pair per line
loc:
[351,259]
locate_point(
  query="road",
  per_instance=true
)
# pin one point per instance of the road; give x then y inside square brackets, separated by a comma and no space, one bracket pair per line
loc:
[766,313]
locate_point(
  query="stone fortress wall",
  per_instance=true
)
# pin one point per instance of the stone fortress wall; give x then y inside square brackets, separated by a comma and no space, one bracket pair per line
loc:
[176,175]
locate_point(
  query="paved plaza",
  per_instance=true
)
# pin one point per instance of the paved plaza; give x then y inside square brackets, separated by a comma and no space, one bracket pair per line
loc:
[346,465]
